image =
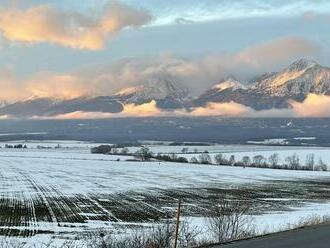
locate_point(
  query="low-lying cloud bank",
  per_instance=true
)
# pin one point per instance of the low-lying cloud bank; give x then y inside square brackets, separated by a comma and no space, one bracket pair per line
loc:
[313,106]
[45,23]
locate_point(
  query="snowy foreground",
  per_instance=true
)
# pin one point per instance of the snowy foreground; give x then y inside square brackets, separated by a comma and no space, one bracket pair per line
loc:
[65,191]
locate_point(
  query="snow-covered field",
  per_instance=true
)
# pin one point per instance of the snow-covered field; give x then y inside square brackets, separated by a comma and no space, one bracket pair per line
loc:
[66,190]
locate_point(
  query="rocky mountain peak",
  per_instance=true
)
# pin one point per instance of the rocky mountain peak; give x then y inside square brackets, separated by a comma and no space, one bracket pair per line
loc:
[302,64]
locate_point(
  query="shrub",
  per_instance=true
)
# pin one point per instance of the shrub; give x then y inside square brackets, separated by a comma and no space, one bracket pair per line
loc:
[102,149]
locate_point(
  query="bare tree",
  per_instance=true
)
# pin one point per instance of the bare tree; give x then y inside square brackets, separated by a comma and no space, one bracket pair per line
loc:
[205,158]
[229,220]
[293,162]
[220,159]
[161,236]
[258,160]
[273,160]
[232,160]
[321,166]
[188,234]
[310,162]
[246,161]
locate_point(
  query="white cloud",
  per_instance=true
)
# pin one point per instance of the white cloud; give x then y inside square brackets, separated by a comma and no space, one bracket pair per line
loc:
[197,74]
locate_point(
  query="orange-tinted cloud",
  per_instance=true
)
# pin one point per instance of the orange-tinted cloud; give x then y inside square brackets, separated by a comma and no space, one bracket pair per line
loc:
[222,109]
[312,106]
[11,90]
[45,23]
[146,109]
[61,86]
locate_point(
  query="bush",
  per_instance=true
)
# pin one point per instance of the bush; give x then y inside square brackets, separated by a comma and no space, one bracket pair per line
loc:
[171,158]
[194,160]
[144,154]
[229,220]
[102,149]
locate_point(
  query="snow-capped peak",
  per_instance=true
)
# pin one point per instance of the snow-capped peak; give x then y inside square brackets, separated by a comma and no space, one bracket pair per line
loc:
[296,81]
[229,83]
[302,65]
[157,88]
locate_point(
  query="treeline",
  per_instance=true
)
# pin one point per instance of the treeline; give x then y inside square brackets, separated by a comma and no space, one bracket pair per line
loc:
[292,162]
[110,149]
[18,146]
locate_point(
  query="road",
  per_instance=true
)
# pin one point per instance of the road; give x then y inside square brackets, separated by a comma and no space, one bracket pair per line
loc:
[309,237]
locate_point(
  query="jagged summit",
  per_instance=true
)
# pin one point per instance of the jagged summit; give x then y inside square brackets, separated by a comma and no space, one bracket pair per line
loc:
[302,64]
[269,90]
[297,81]
[276,89]
[155,89]
[165,90]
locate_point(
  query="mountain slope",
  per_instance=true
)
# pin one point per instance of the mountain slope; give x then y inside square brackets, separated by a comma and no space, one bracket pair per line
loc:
[268,91]
[273,90]
[51,107]
[167,93]
[297,81]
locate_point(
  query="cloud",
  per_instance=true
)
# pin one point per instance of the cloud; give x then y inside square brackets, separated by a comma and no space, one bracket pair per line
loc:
[266,55]
[11,89]
[62,86]
[309,15]
[312,106]
[195,73]
[146,109]
[45,23]
[77,115]
[200,73]
[222,109]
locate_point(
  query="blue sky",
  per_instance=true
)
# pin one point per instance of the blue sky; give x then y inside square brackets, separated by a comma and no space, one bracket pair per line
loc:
[74,39]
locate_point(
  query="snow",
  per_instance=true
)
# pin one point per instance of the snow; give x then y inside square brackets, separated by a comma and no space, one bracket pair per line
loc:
[273,221]
[39,175]
[229,84]
[280,221]
[270,142]
[127,91]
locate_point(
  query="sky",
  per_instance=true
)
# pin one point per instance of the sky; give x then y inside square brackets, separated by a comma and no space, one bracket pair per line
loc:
[65,49]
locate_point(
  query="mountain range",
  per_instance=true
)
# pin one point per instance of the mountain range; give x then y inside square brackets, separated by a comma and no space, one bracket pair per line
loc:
[267,91]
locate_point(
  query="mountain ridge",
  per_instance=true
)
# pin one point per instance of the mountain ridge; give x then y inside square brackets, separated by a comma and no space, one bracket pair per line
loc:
[267,91]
